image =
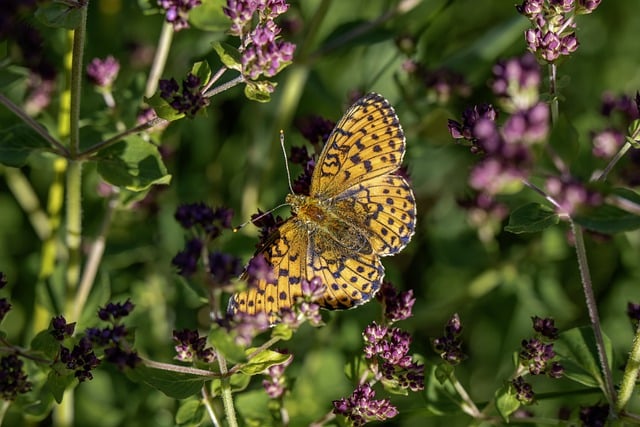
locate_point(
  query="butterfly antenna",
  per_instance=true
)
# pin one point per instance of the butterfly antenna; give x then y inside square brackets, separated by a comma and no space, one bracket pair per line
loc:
[286,161]
[252,220]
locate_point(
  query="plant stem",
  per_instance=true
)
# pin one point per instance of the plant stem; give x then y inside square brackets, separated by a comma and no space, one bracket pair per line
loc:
[107,142]
[37,127]
[225,387]
[630,375]
[623,150]
[160,59]
[553,88]
[179,369]
[79,36]
[93,260]
[225,86]
[28,200]
[206,401]
[592,308]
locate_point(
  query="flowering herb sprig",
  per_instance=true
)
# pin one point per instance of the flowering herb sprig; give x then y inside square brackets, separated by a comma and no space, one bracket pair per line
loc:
[387,361]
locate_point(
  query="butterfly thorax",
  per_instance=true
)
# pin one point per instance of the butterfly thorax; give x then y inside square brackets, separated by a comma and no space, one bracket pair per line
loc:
[343,226]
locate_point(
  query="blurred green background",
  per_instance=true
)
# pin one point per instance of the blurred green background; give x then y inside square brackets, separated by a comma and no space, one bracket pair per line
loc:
[232,157]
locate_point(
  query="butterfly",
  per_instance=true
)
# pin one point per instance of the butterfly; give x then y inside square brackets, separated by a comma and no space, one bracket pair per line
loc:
[358,210]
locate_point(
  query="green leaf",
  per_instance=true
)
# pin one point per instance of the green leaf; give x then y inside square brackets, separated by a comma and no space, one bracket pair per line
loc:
[238,382]
[229,55]
[577,352]
[133,164]
[17,143]
[209,16]
[259,90]
[190,413]
[45,344]
[531,218]
[608,219]
[506,402]
[281,331]
[58,384]
[177,385]
[263,360]
[440,397]
[162,108]
[225,344]
[202,71]
[59,15]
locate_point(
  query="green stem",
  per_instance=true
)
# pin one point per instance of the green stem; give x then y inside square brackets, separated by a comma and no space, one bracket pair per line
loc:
[630,375]
[592,308]
[623,150]
[74,227]
[93,260]
[79,37]
[225,388]
[160,60]
[206,401]
[225,86]
[179,369]
[37,127]
[553,89]
[28,200]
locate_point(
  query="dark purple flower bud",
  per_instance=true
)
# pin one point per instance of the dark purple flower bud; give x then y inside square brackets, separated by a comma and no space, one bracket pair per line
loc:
[524,391]
[224,267]
[550,46]
[177,12]
[587,6]
[449,346]
[397,305]
[115,311]
[61,329]
[633,311]
[188,102]
[103,72]
[530,8]
[594,416]
[315,129]
[555,370]
[191,346]
[13,379]
[568,44]
[187,260]
[258,269]
[81,359]
[122,358]
[545,327]
[562,6]
[5,307]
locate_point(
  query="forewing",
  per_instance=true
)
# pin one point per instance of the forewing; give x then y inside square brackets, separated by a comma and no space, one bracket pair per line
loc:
[367,142]
[286,251]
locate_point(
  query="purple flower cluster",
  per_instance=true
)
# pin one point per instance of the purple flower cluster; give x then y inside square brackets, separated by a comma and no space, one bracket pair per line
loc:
[506,149]
[61,329]
[245,326]
[13,380]
[485,214]
[449,345]
[362,407]
[190,346]
[305,308]
[388,351]
[553,32]
[524,391]
[188,101]
[113,312]
[594,416]
[103,72]
[397,305]
[263,53]
[275,385]
[621,110]
[537,353]
[224,267]
[81,359]
[177,12]
[210,220]
[571,194]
